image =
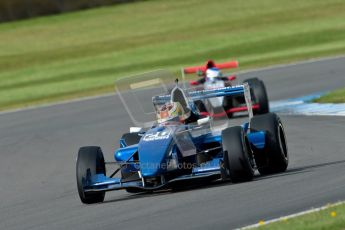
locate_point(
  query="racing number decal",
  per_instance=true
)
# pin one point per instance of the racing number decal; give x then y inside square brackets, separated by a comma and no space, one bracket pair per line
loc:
[157,136]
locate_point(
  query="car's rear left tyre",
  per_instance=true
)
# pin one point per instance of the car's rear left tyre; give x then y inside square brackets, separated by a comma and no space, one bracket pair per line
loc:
[200,106]
[259,95]
[90,161]
[274,157]
[238,159]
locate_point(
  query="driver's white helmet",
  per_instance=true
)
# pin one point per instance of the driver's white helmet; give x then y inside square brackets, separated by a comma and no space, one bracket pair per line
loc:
[212,73]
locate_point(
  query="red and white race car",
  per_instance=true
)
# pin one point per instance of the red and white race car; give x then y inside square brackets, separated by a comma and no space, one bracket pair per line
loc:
[210,77]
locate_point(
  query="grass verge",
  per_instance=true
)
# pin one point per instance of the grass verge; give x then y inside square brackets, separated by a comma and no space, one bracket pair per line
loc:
[337,96]
[332,218]
[79,54]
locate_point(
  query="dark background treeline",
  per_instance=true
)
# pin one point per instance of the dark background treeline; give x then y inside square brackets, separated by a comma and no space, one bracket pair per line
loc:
[11,10]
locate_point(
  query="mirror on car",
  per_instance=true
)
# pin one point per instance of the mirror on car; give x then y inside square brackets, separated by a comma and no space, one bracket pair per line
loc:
[135,129]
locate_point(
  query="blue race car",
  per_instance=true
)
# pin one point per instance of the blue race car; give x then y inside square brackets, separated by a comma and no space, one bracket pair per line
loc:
[181,145]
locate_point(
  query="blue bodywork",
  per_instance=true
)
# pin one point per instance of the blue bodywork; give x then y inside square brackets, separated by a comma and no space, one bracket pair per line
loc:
[157,160]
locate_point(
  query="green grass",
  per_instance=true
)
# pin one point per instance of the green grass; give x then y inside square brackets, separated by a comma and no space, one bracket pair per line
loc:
[332,218]
[337,96]
[77,54]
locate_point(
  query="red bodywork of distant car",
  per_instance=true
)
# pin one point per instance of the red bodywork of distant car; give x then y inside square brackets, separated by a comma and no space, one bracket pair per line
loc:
[201,70]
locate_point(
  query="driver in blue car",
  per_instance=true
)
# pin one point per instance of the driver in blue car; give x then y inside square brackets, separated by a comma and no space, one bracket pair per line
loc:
[177,110]
[171,112]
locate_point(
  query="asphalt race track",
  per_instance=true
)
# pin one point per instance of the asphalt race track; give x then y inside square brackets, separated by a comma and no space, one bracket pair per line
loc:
[38,148]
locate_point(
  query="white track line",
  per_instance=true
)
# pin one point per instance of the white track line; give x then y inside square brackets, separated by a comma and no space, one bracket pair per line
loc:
[313,60]
[284,218]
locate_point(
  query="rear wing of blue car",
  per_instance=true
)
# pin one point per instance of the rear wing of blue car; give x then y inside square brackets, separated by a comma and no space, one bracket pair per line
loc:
[211,93]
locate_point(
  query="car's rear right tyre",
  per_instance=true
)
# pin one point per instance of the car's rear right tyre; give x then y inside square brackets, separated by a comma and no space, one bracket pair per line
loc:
[274,157]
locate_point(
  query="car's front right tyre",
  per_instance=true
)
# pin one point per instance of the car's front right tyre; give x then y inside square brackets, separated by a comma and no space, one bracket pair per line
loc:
[90,161]
[238,158]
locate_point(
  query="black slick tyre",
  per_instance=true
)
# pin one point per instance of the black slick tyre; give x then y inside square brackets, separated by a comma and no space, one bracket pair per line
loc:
[238,159]
[259,95]
[90,161]
[274,157]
